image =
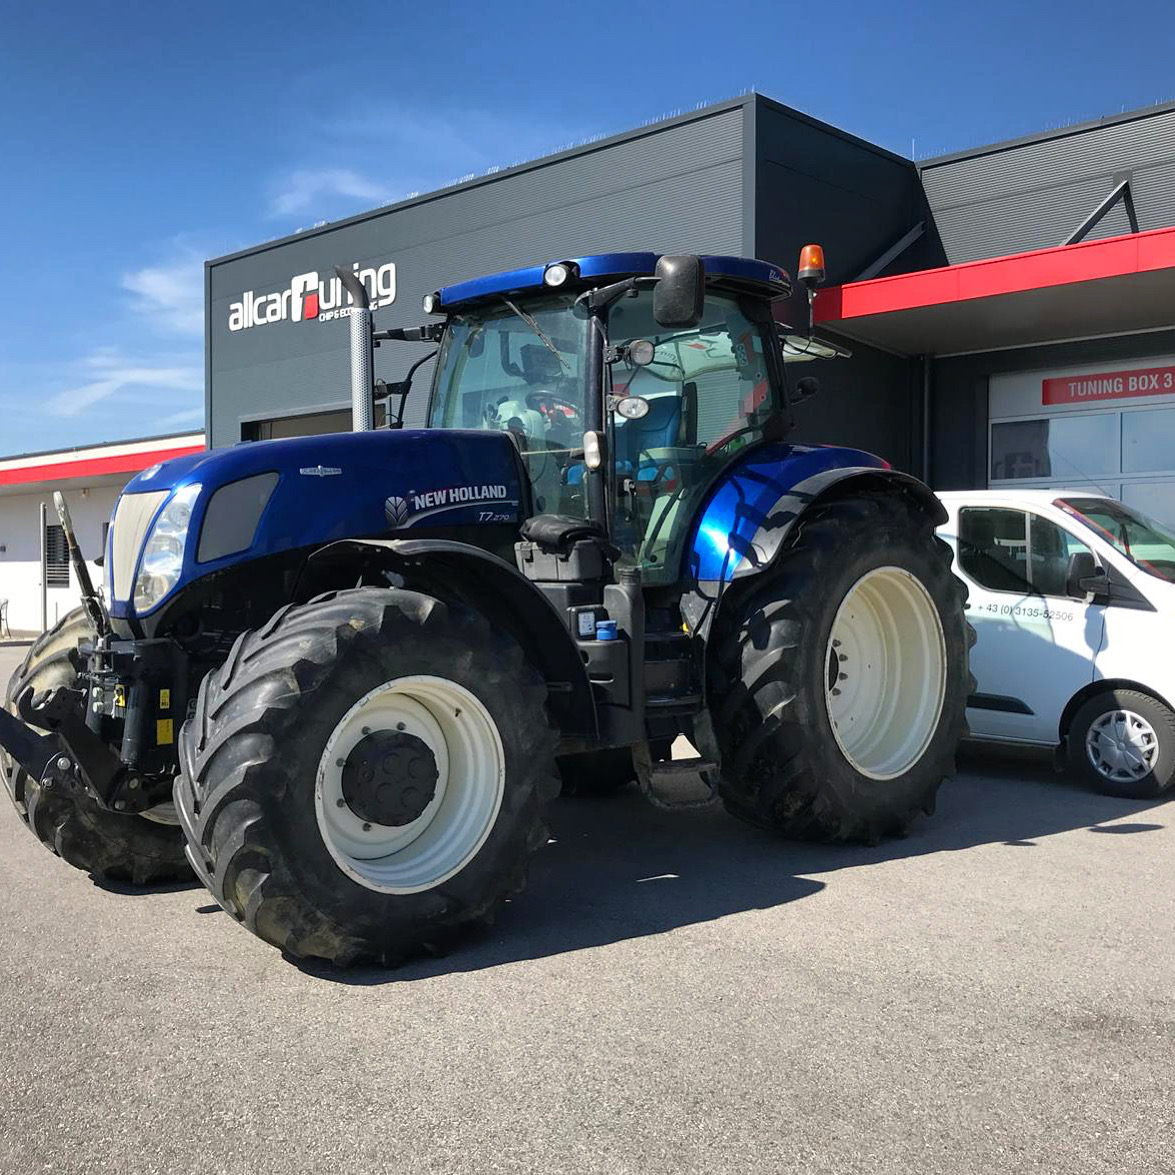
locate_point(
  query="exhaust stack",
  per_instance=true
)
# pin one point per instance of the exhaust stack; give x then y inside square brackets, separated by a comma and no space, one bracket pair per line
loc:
[362,356]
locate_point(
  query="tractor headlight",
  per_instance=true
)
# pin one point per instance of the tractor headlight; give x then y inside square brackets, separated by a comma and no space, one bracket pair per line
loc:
[163,554]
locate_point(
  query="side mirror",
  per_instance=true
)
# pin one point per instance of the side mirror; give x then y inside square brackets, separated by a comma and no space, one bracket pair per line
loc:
[1084,576]
[680,292]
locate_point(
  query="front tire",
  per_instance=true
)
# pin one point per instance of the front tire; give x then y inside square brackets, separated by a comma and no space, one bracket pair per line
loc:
[132,849]
[840,676]
[1122,743]
[366,776]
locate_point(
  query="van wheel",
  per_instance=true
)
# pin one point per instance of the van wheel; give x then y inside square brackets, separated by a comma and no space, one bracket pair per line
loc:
[1123,743]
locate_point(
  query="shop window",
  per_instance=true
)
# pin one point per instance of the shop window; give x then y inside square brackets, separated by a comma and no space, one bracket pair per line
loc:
[1155,499]
[1148,440]
[1010,551]
[305,425]
[56,557]
[1076,447]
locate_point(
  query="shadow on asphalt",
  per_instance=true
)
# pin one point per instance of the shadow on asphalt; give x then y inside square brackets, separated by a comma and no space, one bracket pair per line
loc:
[619,869]
[125,889]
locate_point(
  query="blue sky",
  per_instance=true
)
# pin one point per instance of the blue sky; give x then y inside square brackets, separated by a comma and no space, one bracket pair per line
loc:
[139,139]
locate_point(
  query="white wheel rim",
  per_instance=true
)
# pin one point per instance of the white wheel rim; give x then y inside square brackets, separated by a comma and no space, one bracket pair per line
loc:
[471,776]
[1122,746]
[885,673]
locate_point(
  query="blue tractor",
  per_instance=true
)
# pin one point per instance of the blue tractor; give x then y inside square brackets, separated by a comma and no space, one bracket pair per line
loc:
[342,677]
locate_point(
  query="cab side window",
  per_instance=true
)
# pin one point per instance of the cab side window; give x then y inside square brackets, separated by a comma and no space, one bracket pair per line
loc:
[993,548]
[1010,551]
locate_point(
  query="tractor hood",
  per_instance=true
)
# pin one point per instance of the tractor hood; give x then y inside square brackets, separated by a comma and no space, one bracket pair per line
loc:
[227,506]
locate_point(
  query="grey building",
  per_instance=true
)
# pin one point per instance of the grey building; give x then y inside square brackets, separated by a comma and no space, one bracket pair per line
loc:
[969,286]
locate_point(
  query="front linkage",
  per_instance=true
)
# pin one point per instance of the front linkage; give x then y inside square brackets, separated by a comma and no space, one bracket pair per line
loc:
[126,698]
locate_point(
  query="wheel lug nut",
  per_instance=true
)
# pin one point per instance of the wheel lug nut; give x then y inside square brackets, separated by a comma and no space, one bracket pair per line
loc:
[340,802]
[366,827]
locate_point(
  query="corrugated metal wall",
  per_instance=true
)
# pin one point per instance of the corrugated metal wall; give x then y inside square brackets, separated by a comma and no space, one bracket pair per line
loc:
[1034,194]
[675,188]
[816,183]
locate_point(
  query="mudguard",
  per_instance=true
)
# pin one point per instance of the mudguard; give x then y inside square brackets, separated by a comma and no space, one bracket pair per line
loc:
[487,584]
[749,518]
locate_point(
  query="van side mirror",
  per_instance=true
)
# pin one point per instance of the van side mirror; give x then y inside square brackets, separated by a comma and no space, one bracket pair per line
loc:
[680,292]
[1084,576]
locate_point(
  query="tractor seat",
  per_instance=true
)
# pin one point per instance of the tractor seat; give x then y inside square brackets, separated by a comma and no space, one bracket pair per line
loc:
[659,429]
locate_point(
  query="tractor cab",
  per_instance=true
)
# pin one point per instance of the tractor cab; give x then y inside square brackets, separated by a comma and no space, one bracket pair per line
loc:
[626,381]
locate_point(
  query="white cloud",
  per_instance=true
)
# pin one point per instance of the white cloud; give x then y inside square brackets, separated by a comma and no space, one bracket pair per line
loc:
[308,190]
[423,149]
[108,373]
[170,294]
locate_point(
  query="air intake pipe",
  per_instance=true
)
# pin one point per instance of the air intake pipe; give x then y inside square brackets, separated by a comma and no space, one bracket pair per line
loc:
[362,354]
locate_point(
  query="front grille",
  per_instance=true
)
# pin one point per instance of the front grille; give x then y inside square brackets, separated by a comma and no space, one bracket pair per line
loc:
[132,517]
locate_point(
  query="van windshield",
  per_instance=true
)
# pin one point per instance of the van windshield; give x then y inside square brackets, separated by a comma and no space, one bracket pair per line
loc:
[1146,543]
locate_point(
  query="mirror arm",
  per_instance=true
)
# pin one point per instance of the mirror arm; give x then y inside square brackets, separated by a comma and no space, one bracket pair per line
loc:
[604,296]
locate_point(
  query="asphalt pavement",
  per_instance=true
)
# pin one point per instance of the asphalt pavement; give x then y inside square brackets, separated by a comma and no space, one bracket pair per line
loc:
[674,992]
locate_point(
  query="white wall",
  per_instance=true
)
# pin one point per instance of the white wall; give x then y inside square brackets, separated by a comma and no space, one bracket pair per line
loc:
[20,560]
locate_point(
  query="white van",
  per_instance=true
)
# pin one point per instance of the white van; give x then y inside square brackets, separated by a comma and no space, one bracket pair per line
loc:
[1072,597]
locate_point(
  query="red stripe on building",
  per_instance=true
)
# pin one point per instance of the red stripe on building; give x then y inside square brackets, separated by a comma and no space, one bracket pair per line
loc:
[1018,273]
[93,466]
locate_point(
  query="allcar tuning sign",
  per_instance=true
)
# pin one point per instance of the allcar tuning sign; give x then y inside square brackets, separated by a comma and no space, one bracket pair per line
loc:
[309,297]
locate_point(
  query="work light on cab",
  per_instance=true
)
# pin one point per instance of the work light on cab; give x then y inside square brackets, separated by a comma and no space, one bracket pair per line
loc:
[557,274]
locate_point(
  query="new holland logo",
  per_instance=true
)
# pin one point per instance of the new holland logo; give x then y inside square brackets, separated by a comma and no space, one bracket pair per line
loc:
[308,297]
[399,510]
[396,512]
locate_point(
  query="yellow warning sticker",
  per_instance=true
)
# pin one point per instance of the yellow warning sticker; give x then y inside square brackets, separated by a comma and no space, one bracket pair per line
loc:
[165,699]
[163,734]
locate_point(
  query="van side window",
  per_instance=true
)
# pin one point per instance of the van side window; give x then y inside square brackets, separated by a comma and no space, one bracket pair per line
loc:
[1010,551]
[1050,549]
[993,548]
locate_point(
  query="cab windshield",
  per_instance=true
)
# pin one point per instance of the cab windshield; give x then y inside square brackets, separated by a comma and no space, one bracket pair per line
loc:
[518,367]
[1146,543]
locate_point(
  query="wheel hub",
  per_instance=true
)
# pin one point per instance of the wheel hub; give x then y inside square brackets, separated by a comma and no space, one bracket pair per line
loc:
[1122,745]
[390,778]
[885,672]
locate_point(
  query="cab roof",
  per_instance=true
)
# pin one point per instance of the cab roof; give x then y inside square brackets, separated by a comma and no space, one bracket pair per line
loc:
[740,273]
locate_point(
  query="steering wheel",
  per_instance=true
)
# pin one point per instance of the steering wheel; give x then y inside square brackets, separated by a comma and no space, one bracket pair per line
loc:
[546,403]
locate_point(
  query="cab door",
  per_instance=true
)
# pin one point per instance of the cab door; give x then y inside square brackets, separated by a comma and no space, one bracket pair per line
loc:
[1035,645]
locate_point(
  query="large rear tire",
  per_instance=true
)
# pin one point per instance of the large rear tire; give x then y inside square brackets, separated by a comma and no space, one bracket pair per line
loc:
[366,776]
[132,849]
[840,676]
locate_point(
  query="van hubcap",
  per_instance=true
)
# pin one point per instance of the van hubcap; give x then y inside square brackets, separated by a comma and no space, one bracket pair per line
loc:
[1122,745]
